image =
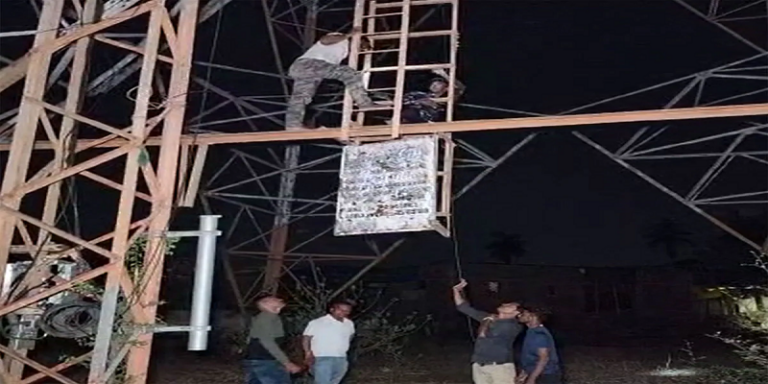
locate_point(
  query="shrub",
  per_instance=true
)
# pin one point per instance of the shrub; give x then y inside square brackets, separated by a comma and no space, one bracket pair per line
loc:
[749,336]
[377,331]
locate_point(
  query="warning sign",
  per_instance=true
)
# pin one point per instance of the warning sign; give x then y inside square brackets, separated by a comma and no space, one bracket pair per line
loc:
[388,187]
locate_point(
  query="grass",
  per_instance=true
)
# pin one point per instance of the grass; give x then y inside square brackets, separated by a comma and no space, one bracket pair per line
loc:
[450,365]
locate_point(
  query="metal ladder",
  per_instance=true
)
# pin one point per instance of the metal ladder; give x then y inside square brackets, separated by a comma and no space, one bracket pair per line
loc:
[371,17]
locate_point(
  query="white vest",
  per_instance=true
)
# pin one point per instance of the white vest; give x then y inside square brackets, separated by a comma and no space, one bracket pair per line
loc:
[334,53]
[330,337]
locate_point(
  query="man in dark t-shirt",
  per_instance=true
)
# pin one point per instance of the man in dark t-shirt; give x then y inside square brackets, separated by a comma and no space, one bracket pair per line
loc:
[419,106]
[264,361]
[492,359]
[539,360]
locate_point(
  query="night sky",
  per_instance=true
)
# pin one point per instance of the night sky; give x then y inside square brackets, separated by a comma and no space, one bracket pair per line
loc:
[572,205]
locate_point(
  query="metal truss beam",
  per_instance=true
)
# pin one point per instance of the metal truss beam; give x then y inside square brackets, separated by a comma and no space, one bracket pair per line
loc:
[18,222]
[452,127]
[253,209]
[727,15]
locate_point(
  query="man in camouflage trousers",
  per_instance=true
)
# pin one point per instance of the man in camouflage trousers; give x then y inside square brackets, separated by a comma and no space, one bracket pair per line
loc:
[319,62]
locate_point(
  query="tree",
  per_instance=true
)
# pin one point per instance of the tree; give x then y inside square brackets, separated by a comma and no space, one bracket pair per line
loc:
[506,247]
[670,236]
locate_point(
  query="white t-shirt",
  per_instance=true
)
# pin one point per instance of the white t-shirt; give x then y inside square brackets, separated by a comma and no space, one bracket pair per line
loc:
[330,337]
[333,53]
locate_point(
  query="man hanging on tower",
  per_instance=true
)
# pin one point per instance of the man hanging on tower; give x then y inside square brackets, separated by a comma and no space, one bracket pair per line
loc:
[420,106]
[319,62]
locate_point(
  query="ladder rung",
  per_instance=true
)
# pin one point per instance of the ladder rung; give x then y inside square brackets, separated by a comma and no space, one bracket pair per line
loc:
[396,35]
[374,108]
[417,67]
[380,51]
[375,15]
[400,4]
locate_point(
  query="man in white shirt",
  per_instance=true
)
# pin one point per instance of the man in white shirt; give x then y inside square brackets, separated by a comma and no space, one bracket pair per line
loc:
[326,342]
[323,61]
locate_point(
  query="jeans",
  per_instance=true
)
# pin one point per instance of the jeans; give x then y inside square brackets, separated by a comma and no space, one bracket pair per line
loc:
[265,372]
[329,370]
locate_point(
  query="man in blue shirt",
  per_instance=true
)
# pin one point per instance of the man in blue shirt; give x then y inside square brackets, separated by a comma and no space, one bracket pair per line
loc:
[419,106]
[539,361]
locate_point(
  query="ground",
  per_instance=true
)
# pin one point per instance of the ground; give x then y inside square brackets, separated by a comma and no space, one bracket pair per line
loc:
[426,364]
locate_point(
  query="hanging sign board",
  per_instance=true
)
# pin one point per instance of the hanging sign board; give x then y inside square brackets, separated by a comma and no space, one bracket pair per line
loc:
[388,187]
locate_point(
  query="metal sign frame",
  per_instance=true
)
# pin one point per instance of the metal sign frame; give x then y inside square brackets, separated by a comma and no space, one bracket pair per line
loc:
[383,212]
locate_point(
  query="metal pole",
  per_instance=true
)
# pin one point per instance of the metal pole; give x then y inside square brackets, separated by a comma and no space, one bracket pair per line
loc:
[201,292]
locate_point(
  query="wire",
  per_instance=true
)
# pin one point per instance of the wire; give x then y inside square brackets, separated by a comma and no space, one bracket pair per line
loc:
[71,320]
[459,270]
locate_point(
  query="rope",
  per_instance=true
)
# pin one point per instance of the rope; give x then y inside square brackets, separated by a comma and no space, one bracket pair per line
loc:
[460,272]
[71,320]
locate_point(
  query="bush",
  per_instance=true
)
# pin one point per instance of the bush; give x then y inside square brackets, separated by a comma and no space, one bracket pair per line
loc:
[749,336]
[376,330]
[729,375]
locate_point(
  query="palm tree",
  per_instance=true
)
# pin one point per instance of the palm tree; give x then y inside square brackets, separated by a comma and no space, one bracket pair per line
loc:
[506,247]
[668,235]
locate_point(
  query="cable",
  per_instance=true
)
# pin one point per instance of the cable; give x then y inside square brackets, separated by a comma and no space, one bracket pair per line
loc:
[459,270]
[71,320]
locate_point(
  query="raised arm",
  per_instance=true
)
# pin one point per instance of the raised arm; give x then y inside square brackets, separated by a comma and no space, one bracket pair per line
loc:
[458,86]
[459,89]
[463,306]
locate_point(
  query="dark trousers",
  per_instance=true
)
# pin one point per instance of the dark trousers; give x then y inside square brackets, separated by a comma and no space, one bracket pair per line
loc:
[265,372]
[411,116]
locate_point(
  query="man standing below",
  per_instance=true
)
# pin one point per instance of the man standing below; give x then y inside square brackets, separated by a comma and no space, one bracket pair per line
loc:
[326,342]
[265,362]
[319,62]
[492,360]
[539,360]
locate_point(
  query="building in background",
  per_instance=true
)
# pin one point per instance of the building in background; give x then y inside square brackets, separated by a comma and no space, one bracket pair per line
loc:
[588,304]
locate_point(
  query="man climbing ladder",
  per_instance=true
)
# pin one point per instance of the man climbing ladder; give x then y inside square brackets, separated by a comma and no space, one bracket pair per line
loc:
[323,61]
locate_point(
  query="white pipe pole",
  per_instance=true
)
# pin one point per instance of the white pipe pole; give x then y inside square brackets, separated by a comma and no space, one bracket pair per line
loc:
[201,293]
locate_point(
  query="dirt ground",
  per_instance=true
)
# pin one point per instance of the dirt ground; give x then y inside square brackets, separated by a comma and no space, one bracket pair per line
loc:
[427,364]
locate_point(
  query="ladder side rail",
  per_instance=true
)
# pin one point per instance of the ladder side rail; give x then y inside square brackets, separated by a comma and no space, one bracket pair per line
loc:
[402,62]
[453,60]
[370,27]
[354,53]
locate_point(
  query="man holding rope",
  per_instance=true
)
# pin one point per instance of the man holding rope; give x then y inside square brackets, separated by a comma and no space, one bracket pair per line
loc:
[492,360]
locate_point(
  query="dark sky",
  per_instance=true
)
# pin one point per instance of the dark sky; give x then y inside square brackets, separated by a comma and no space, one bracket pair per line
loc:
[571,204]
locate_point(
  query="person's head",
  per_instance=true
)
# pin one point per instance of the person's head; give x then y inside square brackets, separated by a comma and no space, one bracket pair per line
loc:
[340,310]
[365,44]
[508,310]
[271,304]
[438,86]
[533,317]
